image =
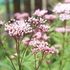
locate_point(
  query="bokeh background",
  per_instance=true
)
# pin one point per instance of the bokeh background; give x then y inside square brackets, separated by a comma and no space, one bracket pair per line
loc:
[9,7]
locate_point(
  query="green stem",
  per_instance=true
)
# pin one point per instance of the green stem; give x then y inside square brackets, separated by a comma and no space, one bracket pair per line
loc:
[7,55]
[18,53]
[35,60]
[49,68]
[40,62]
[23,54]
[62,54]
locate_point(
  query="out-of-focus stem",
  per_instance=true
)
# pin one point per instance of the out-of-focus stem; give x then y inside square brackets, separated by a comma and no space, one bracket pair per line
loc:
[24,53]
[62,51]
[11,62]
[7,55]
[40,62]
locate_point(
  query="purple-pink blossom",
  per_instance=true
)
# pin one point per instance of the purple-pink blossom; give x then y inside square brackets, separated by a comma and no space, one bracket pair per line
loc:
[50,17]
[43,47]
[38,35]
[40,13]
[33,21]
[44,27]
[21,15]
[18,28]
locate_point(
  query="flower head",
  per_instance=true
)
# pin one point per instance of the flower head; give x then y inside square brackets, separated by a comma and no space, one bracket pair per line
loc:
[64,17]
[18,28]
[40,13]
[62,8]
[44,27]
[21,16]
[50,17]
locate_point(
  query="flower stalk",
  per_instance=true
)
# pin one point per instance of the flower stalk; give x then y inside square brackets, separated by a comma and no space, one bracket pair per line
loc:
[18,53]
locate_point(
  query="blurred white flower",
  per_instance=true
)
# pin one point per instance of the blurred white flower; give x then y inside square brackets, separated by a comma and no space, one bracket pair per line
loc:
[64,17]
[62,8]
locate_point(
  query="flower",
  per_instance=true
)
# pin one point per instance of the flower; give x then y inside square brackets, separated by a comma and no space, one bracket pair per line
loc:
[21,15]
[36,21]
[62,29]
[34,42]
[18,28]
[39,45]
[43,12]
[38,35]
[17,15]
[58,8]
[50,17]
[37,12]
[33,20]
[40,13]
[42,46]
[62,8]
[45,37]
[64,17]
[26,41]
[44,27]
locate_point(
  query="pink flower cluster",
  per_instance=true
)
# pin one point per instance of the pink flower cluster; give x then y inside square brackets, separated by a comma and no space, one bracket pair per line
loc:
[40,13]
[42,46]
[50,17]
[35,27]
[44,14]
[39,45]
[18,28]
[21,15]
[39,37]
